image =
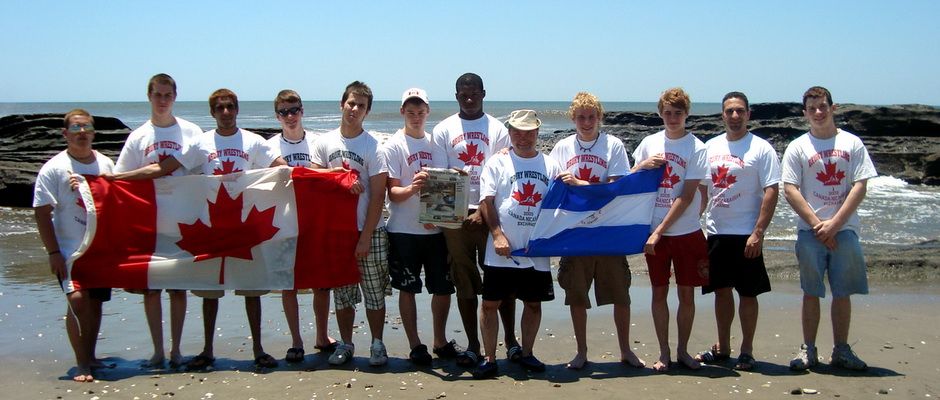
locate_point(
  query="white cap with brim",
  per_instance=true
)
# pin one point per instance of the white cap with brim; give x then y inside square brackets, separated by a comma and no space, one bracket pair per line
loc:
[415,93]
[525,120]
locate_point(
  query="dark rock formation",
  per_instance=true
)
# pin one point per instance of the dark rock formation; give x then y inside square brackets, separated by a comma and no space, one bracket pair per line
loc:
[903,140]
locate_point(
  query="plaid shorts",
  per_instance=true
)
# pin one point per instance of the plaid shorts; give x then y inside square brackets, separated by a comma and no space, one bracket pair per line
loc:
[375,281]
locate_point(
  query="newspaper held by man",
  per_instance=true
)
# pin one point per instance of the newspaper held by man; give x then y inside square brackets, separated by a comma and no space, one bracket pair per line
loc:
[444,198]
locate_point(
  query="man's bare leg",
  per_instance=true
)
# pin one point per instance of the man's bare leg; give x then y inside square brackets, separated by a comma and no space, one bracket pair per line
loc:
[685,316]
[660,311]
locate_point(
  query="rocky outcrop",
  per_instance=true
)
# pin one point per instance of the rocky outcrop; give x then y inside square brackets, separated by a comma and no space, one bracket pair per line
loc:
[903,140]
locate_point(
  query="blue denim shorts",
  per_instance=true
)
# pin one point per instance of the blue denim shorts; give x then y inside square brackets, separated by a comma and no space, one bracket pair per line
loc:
[845,265]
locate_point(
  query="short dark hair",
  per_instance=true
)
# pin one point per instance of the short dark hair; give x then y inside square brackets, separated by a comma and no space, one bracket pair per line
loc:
[287,96]
[469,79]
[817,92]
[163,79]
[78,112]
[220,94]
[735,95]
[360,89]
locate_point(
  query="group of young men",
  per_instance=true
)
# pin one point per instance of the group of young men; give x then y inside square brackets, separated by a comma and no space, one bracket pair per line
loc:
[733,179]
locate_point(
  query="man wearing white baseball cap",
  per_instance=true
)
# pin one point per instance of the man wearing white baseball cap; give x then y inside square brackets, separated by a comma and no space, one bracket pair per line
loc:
[412,244]
[511,187]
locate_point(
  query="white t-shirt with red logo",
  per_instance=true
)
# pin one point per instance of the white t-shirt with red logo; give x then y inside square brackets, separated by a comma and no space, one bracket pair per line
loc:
[595,162]
[150,144]
[469,144]
[222,155]
[518,186]
[825,170]
[740,170]
[405,156]
[686,159]
[360,154]
[297,154]
[68,211]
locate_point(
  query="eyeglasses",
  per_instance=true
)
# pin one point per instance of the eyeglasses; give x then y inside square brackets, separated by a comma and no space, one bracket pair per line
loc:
[290,111]
[76,128]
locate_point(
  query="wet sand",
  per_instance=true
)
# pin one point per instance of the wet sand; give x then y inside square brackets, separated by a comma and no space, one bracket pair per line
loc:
[893,330]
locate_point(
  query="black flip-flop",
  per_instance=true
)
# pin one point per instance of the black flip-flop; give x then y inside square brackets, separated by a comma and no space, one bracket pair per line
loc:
[200,363]
[265,361]
[294,355]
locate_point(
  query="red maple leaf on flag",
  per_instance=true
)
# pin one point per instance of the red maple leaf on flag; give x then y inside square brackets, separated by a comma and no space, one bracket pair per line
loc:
[228,236]
[527,197]
[228,167]
[471,156]
[669,180]
[831,176]
[722,179]
[584,174]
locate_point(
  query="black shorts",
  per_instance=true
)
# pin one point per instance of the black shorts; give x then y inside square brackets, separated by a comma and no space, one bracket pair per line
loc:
[525,284]
[729,268]
[407,253]
[100,294]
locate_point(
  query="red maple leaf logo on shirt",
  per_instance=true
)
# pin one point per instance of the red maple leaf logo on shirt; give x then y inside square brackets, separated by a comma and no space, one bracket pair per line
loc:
[584,174]
[831,176]
[722,179]
[162,156]
[228,167]
[471,156]
[228,236]
[669,180]
[527,197]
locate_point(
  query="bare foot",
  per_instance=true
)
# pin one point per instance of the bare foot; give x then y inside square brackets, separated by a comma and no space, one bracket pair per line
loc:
[83,375]
[632,360]
[577,362]
[330,342]
[176,360]
[688,361]
[154,362]
[662,365]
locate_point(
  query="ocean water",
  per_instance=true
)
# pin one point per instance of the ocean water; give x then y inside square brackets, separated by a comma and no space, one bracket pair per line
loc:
[322,116]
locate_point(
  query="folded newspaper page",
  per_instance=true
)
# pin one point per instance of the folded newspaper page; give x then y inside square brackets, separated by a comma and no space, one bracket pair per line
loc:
[444,198]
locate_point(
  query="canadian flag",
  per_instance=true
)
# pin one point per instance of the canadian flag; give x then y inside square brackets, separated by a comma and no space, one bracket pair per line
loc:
[274,228]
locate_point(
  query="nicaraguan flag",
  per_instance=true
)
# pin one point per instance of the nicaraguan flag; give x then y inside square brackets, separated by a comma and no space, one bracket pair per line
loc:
[606,219]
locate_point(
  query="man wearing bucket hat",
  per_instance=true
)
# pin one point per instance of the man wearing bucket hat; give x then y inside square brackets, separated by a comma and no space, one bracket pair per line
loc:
[511,187]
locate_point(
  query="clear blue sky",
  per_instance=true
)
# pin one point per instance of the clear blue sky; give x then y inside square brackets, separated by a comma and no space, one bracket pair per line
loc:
[869,52]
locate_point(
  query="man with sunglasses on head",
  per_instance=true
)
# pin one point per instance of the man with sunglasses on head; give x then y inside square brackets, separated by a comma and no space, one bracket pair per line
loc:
[162,136]
[295,144]
[61,219]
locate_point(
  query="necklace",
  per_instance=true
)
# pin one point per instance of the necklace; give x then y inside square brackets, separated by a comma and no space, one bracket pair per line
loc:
[588,148]
[284,138]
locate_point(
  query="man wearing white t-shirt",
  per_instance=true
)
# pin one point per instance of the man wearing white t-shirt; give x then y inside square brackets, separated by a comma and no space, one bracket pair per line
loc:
[676,236]
[743,192]
[225,150]
[61,219]
[352,148]
[591,157]
[413,245]
[825,176]
[163,136]
[470,138]
[511,188]
[294,144]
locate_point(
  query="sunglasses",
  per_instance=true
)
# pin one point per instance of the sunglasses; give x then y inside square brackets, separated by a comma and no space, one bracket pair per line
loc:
[290,111]
[76,128]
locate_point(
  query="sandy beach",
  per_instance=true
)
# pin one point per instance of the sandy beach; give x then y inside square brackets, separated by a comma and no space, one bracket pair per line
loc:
[893,330]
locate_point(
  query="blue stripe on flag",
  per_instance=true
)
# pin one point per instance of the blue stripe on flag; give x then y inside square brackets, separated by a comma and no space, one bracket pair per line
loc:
[593,197]
[596,241]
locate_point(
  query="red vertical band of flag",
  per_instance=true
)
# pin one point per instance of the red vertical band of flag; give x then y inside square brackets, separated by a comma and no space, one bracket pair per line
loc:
[326,219]
[125,235]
